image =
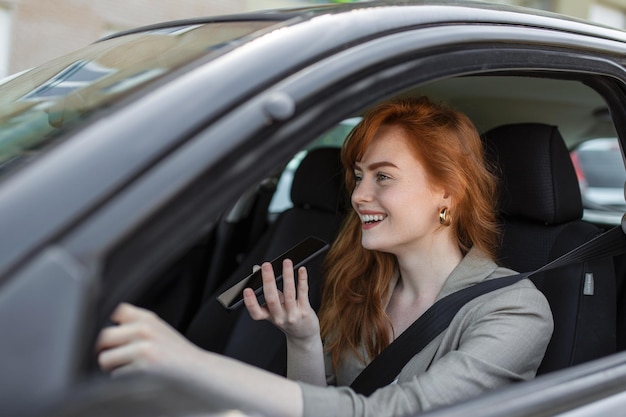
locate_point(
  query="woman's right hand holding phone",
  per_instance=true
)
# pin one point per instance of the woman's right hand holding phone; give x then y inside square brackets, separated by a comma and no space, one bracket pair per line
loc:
[289,310]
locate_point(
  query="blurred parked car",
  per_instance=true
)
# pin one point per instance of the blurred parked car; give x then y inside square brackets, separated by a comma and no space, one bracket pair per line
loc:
[144,168]
[600,169]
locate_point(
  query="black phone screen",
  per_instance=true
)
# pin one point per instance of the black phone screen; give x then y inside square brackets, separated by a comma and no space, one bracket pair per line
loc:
[300,254]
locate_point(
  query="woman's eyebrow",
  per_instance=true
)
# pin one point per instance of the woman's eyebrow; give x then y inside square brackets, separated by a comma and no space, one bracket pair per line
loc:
[376,165]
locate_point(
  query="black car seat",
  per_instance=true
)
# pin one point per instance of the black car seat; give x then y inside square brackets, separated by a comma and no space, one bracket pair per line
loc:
[541,209]
[318,197]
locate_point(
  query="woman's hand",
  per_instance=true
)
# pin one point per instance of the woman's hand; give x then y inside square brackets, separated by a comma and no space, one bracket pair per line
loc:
[143,342]
[288,310]
[291,311]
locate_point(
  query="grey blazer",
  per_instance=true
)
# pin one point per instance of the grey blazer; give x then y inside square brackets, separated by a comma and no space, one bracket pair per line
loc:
[494,340]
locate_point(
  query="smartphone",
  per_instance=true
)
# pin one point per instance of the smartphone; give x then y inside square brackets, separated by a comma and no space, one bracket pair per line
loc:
[301,254]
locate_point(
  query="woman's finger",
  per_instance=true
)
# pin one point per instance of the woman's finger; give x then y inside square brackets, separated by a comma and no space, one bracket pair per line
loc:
[113,336]
[273,299]
[257,312]
[133,323]
[127,369]
[137,353]
[126,312]
[119,356]
[303,287]
[252,305]
[289,286]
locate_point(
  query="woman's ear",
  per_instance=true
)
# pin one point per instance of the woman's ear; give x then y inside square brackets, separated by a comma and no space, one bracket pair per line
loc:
[445,197]
[447,200]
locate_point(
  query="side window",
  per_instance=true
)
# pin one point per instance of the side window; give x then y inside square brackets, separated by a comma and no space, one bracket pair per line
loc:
[334,137]
[601,174]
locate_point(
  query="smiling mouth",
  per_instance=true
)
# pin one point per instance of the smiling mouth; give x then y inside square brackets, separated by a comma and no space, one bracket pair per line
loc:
[372,218]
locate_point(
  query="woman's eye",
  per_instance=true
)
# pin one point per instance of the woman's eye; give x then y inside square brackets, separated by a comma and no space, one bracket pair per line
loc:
[381,177]
[358,177]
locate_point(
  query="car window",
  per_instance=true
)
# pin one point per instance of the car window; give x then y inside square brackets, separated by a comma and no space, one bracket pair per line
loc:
[601,174]
[40,104]
[335,136]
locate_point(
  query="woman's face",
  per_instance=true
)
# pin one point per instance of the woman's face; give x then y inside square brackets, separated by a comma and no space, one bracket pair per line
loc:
[397,204]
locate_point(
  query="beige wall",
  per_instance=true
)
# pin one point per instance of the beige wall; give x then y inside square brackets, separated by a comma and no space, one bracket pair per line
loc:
[583,8]
[576,8]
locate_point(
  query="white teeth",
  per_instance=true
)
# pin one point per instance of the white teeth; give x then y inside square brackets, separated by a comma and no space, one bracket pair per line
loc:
[369,218]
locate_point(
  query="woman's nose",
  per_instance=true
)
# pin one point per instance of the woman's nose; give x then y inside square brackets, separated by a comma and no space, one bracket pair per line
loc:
[362,192]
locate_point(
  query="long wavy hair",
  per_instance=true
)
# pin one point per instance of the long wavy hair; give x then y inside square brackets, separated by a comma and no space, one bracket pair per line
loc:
[448,145]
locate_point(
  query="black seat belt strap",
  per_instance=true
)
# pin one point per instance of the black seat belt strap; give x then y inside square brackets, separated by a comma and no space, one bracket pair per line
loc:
[386,366]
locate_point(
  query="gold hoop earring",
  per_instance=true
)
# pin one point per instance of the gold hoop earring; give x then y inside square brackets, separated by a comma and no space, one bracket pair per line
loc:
[444,217]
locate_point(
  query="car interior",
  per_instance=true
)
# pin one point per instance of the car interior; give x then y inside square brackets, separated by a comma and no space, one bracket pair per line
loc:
[541,214]
[529,124]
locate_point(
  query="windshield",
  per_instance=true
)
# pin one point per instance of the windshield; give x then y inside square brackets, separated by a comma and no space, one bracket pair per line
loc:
[39,105]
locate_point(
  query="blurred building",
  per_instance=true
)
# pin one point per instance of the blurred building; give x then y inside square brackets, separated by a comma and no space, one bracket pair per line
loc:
[607,12]
[34,31]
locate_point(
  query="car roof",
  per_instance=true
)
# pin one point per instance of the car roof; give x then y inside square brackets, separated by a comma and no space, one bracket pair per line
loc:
[426,12]
[345,24]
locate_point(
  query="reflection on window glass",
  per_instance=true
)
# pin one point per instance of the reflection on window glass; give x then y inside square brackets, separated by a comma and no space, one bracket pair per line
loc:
[76,76]
[133,81]
[38,106]
[176,30]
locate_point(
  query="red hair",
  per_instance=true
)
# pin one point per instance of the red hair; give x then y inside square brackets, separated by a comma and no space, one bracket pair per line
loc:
[357,280]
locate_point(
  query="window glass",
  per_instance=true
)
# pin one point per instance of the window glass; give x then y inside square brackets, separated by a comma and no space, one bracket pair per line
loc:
[335,136]
[39,105]
[601,174]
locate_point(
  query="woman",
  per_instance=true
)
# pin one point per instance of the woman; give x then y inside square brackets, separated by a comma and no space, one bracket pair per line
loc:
[424,216]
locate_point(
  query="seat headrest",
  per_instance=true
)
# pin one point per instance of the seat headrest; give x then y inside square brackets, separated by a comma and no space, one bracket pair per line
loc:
[318,180]
[538,178]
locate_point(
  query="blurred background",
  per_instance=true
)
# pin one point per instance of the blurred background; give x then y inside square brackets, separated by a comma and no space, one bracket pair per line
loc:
[35,31]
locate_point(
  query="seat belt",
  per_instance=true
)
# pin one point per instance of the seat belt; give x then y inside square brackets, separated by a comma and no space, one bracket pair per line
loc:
[388,364]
